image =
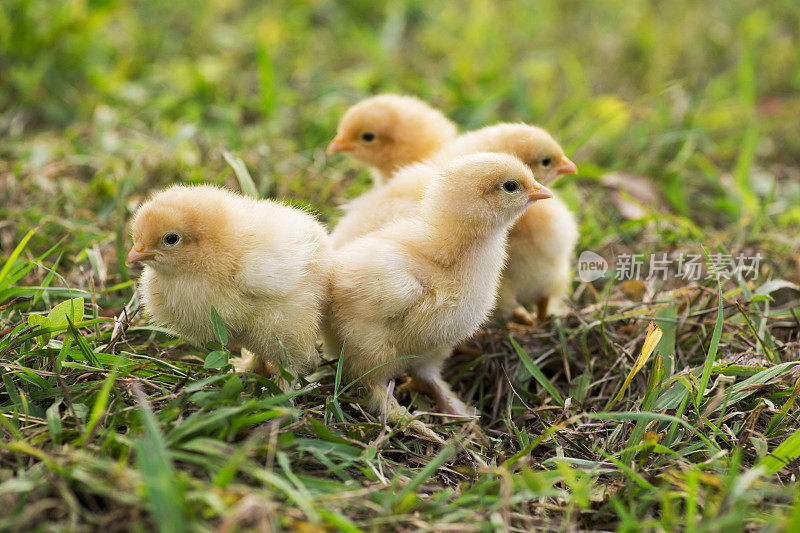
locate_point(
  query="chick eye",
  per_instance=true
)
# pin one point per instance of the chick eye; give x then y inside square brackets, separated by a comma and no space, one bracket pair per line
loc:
[368,137]
[511,186]
[547,161]
[171,239]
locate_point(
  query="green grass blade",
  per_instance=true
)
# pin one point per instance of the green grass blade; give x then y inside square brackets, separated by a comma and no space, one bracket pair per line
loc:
[666,319]
[163,493]
[651,417]
[100,404]
[246,183]
[712,349]
[537,373]
[12,259]
[424,474]
[785,453]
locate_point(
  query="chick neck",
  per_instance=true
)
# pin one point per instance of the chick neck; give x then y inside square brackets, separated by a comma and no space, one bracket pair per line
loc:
[448,235]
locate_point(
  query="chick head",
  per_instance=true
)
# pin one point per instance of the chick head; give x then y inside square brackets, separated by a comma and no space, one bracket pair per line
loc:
[390,131]
[533,146]
[484,189]
[181,229]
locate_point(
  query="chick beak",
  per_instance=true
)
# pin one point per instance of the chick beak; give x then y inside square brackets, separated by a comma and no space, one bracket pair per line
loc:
[137,254]
[540,193]
[339,145]
[566,166]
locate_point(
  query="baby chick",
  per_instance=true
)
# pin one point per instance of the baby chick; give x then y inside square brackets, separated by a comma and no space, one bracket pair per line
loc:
[265,267]
[534,146]
[390,131]
[425,282]
[540,244]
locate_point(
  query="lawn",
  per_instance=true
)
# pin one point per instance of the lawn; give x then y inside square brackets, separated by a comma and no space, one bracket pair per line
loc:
[683,120]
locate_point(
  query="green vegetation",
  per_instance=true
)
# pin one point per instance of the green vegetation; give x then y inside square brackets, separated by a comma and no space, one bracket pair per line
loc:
[682,117]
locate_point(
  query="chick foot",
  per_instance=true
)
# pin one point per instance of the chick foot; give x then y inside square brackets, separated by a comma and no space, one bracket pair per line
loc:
[396,414]
[420,429]
[446,400]
[250,362]
[523,316]
[447,403]
[465,349]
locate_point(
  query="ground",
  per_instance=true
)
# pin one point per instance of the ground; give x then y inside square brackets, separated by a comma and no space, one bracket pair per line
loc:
[682,117]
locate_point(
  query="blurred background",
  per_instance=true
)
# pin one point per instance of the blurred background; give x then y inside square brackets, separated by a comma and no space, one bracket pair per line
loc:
[684,120]
[695,104]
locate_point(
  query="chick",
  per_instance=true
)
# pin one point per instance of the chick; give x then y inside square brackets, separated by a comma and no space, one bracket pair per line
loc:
[390,131]
[540,244]
[534,146]
[425,282]
[265,267]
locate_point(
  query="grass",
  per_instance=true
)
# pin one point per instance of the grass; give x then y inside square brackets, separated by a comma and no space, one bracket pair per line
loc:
[682,119]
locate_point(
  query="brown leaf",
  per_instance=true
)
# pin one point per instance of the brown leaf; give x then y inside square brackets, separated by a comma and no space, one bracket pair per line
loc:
[632,193]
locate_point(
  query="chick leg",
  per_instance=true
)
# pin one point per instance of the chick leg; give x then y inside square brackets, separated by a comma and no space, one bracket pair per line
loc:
[415,385]
[446,400]
[396,414]
[428,380]
[448,403]
[541,307]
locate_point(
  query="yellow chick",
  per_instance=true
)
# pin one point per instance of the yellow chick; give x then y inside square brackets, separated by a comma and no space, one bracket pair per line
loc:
[425,282]
[540,244]
[532,145]
[264,266]
[390,131]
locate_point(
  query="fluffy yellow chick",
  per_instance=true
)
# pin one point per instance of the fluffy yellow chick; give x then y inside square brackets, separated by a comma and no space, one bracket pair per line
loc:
[423,283]
[540,244]
[532,145]
[390,131]
[265,267]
